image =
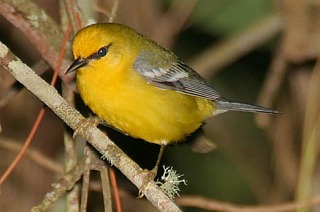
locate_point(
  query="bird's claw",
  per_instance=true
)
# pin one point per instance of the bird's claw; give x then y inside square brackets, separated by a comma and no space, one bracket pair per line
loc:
[84,124]
[149,176]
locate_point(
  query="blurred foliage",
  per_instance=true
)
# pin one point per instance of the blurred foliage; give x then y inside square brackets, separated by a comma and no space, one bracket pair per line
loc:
[226,17]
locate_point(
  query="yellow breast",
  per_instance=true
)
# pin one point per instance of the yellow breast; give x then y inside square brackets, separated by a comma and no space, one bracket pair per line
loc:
[127,102]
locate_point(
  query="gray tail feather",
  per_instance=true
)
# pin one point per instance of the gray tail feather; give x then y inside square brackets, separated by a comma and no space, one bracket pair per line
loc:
[225,105]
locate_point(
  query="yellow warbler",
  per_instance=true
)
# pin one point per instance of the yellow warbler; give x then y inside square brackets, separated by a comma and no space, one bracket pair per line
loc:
[142,89]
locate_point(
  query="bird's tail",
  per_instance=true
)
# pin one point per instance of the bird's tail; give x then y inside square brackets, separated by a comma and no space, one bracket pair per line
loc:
[224,105]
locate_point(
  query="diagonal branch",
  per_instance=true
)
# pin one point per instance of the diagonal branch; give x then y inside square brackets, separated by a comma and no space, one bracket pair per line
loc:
[93,135]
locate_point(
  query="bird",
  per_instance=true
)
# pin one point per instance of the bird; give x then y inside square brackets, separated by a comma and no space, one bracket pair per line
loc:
[142,89]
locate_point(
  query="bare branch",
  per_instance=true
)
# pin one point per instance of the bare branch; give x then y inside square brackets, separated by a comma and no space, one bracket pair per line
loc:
[210,204]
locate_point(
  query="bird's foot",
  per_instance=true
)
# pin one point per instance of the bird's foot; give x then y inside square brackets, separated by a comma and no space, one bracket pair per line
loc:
[84,124]
[150,175]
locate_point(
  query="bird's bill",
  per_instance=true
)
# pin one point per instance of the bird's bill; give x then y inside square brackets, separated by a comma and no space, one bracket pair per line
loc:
[78,63]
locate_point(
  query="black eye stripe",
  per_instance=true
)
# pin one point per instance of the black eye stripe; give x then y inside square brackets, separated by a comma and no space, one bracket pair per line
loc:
[100,53]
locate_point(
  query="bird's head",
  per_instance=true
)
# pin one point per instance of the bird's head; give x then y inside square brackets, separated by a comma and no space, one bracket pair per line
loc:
[104,44]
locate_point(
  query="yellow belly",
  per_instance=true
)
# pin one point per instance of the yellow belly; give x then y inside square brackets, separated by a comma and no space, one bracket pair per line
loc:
[140,109]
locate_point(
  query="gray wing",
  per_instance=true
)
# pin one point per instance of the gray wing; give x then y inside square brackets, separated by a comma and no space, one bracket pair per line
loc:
[163,73]
[178,76]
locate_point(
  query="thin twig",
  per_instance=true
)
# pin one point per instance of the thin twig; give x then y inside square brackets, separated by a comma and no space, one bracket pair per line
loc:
[210,204]
[85,180]
[35,155]
[72,11]
[64,184]
[171,23]
[24,147]
[115,189]
[73,198]
[271,86]
[73,201]
[106,191]
[102,167]
[110,13]
[310,141]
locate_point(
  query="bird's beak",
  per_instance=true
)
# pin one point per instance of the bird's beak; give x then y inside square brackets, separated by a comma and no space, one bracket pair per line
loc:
[78,63]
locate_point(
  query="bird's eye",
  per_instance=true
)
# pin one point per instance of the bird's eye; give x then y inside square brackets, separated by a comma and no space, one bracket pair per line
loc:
[102,52]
